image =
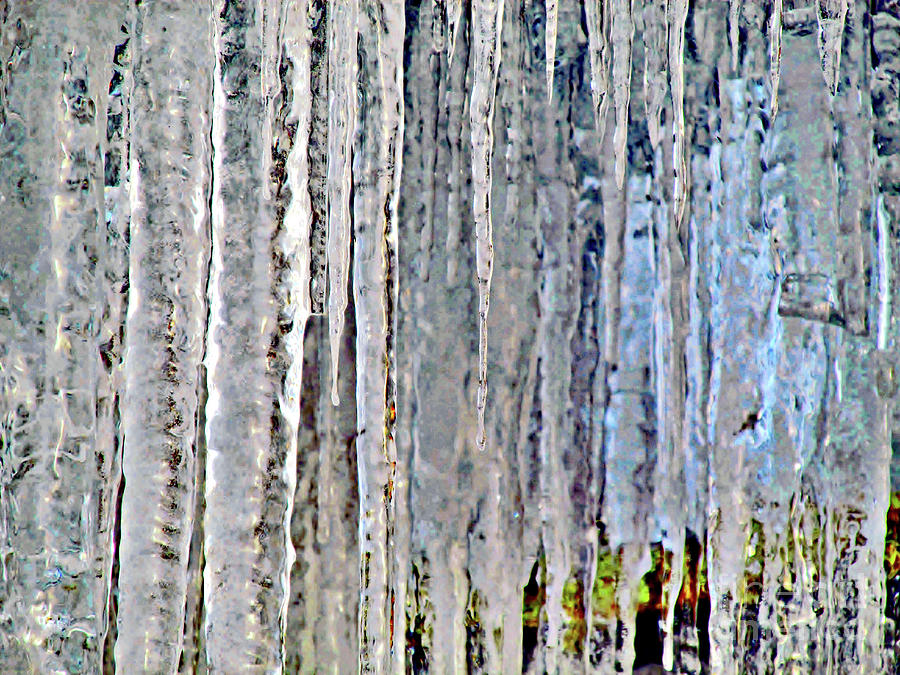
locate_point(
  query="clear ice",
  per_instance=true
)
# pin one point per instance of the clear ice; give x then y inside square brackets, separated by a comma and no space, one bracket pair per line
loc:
[260,259]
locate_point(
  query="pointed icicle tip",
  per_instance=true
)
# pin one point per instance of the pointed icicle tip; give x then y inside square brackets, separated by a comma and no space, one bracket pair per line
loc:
[831,15]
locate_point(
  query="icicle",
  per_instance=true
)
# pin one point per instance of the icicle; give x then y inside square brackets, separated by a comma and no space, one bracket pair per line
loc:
[654,32]
[830,15]
[169,249]
[377,170]
[342,35]
[676,67]
[293,248]
[597,15]
[487,19]
[734,31]
[60,307]
[258,307]
[775,53]
[552,10]
[622,37]
[454,19]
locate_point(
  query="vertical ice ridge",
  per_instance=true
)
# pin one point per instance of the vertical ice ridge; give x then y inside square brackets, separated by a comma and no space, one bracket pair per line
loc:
[622,37]
[487,20]
[166,315]
[254,345]
[598,21]
[342,102]
[551,7]
[377,171]
[830,15]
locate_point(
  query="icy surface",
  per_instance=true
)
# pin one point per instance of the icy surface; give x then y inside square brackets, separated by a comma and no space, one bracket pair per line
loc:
[248,250]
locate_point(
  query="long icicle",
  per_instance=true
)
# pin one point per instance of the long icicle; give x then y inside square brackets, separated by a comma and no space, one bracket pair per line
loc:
[622,38]
[676,69]
[377,168]
[167,310]
[487,19]
[254,353]
[342,34]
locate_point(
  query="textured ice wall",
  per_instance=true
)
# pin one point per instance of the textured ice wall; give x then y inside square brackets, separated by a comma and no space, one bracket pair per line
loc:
[491,336]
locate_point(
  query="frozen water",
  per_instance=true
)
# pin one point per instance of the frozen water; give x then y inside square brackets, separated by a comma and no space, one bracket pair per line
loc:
[248,250]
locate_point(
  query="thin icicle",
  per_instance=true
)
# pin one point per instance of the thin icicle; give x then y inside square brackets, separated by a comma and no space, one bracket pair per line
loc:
[552,9]
[597,15]
[377,170]
[622,38]
[775,53]
[830,15]
[676,67]
[342,34]
[487,19]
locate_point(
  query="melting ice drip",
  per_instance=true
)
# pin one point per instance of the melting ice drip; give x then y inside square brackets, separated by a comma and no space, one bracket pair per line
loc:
[247,256]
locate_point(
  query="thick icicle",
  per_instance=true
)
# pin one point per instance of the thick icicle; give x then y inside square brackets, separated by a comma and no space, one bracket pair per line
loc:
[622,38]
[487,19]
[551,7]
[598,20]
[254,356]
[61,302]
[830,15]
[342,100]
[377,169]
[166,316]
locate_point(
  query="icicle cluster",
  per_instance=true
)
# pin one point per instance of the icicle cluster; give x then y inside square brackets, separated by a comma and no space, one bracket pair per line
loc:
[259,260]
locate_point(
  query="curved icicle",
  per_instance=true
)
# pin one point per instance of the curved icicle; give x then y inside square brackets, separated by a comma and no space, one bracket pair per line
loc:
[487,19]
